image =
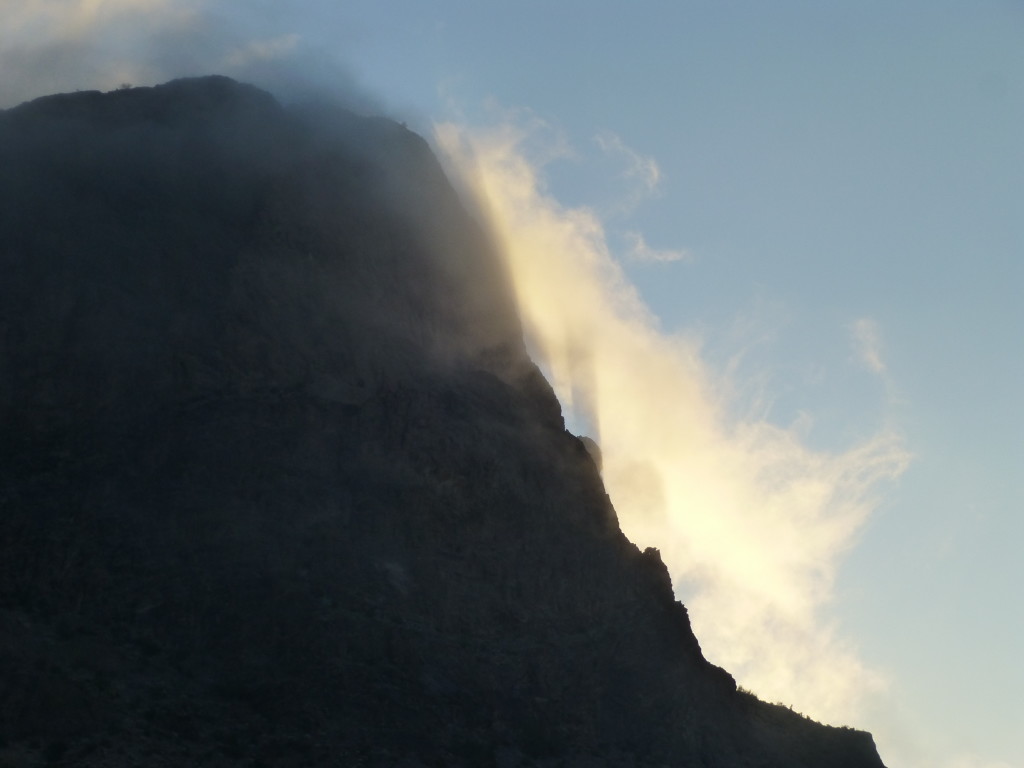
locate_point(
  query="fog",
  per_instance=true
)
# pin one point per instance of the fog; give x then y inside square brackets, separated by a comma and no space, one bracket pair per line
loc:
[751,521]
[52,46]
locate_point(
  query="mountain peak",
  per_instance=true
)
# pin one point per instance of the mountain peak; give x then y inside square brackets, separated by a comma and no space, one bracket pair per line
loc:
[281,484]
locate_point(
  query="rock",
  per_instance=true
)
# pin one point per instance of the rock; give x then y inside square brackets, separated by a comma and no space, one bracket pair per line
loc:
[279,484]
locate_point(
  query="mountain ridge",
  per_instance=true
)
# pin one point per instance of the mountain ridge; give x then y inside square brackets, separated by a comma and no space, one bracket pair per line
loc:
[281,485]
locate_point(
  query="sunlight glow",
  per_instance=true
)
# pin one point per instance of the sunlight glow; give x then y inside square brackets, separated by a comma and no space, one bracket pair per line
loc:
[750,521]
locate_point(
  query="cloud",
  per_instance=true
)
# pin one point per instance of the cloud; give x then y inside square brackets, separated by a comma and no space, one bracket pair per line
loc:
[751,521]
[970,761]
[62,45]
[272,49]
[867,340]
[639,250]
[50,46]
[641,172]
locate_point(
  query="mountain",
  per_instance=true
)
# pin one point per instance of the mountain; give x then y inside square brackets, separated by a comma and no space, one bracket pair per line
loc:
[279,484]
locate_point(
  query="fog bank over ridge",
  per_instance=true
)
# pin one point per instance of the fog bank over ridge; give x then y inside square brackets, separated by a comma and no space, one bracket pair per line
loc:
[750,520]
[51,46]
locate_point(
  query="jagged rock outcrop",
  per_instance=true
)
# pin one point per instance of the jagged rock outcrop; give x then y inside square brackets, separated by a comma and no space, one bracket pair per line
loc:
[279,485]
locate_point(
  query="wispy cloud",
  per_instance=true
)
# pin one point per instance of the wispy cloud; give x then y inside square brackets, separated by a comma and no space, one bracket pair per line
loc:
[62,45]
[867,340]
[49,46]
[750,520]
[639,250]
[271,49]
[641,172]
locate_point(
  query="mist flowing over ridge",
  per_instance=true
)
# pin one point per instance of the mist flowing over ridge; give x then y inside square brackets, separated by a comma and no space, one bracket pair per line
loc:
[280,483]
[751,521]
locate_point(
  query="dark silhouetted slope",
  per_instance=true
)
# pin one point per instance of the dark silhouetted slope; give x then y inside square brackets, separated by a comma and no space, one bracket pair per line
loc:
[279,485]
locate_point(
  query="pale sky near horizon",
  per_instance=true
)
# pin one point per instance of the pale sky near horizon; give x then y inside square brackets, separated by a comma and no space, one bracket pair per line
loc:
[826,199]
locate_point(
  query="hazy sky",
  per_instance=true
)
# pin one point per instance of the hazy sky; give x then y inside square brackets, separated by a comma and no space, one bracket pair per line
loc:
[800,223]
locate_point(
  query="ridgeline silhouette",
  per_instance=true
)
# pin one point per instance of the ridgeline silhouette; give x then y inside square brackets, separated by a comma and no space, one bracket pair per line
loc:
[279,484]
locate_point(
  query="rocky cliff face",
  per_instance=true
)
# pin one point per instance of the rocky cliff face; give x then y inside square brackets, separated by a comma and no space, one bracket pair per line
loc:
[280,486]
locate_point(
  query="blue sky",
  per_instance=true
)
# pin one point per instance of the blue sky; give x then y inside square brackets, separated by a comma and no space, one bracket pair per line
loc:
[844,186]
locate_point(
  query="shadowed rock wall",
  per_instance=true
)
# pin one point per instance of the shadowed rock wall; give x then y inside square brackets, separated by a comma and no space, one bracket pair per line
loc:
[280,486]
